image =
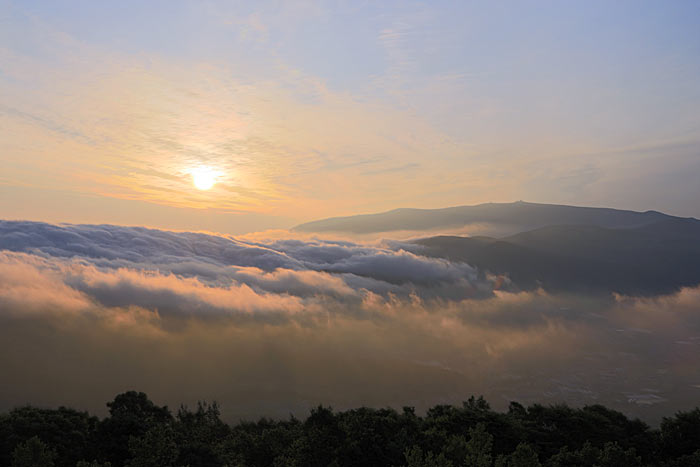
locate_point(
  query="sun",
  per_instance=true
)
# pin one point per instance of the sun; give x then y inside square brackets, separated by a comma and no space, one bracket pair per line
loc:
[204,177]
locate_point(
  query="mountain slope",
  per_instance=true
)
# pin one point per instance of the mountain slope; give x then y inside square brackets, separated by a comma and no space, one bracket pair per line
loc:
[647,260]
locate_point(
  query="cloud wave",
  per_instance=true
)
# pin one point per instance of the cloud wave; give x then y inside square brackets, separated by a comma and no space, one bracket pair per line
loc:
[191,273]
[276,326]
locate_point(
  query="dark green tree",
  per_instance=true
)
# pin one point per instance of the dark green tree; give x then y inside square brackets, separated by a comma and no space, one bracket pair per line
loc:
[323,438]
[132,414]
[199,435]
[523,456]
[372,437]
[613,455]
[33,453]
[68,432]
[479,447]
[691,460]
[415,458]
[156,448]
[587,456]
[680,435]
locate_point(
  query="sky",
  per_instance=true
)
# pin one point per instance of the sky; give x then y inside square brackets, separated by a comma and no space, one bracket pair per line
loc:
[304,110]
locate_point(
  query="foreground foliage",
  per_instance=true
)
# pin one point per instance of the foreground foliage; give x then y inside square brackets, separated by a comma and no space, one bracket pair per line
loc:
[139,433]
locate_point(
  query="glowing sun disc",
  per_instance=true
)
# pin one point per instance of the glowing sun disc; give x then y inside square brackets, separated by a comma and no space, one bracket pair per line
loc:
[203,178]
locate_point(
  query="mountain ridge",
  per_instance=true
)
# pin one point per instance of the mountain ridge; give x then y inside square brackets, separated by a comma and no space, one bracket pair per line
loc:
[519,215]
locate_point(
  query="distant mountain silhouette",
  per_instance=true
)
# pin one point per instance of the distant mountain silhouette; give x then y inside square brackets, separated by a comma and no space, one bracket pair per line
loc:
[556,247]
[652,259]
[506,217]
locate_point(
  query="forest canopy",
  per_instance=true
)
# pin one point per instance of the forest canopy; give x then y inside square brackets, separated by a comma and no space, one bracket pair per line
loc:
[138,432]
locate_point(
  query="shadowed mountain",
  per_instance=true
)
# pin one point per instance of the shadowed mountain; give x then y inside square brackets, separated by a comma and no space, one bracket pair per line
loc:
[493,218]
[656,258]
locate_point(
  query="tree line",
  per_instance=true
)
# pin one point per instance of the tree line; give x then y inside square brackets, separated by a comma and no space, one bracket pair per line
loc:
[139,433]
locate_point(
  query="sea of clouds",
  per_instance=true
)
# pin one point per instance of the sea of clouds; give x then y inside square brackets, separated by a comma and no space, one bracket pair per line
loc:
[272,326]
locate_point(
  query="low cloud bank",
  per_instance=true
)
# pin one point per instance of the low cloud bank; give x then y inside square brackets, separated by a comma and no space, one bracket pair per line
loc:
[277,326]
